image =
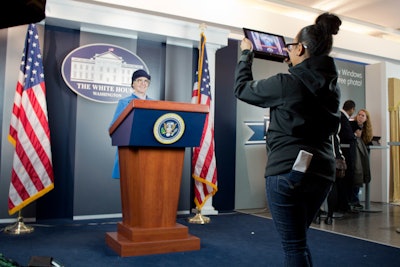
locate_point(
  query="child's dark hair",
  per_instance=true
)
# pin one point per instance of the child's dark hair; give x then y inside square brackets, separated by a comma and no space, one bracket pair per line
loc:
[318,37]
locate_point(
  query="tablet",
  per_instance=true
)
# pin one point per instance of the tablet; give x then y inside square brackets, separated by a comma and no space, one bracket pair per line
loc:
[266,45]
[376,141]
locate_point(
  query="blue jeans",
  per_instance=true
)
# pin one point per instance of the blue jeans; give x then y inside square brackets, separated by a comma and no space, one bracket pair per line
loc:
[294,198]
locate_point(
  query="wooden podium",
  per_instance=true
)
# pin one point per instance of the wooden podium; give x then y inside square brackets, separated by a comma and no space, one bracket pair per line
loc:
[151,137]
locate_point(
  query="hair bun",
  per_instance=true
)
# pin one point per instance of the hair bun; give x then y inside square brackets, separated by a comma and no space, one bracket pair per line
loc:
[329,22]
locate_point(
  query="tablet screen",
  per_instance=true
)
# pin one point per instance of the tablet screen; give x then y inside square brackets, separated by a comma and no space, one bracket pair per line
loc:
[267,45]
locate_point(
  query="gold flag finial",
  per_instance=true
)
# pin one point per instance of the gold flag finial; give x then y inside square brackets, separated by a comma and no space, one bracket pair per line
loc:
[202,27]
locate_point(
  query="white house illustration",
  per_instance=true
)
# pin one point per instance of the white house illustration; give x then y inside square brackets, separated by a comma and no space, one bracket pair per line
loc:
[105,68]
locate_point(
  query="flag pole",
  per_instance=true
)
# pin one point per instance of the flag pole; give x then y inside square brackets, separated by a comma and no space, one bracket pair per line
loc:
[29,131]
[199,218]
[19,227]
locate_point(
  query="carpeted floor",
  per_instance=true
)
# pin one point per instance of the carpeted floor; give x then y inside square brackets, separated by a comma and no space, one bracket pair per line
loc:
[233,239]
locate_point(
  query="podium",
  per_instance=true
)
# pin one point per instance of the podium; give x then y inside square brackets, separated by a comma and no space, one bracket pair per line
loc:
[151,137]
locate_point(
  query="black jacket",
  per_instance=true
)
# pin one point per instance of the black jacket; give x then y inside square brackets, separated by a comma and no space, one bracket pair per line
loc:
[304,112]
[346,133]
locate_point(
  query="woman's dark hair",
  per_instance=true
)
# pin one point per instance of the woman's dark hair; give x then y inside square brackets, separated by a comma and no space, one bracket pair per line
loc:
[318,37]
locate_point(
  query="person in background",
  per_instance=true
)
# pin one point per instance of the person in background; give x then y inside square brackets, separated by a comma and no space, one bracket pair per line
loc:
[362,129]
[140,83]
[347,144]
[304,114]
[362,126]
[332,199]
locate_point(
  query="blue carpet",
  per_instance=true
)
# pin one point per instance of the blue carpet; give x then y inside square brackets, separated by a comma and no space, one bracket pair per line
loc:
[233,239]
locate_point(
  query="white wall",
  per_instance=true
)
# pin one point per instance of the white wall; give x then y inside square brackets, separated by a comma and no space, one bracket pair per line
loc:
[377,76]
[251,159]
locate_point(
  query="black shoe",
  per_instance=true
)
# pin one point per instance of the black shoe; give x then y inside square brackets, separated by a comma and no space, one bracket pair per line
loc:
[337,215]
[317,219]
[357,206]
[328,220]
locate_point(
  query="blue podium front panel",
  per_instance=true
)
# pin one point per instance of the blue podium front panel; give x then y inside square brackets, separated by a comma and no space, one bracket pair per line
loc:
[160,128]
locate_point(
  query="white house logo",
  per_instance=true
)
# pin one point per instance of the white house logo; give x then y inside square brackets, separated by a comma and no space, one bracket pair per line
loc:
[169,128]
[101,72]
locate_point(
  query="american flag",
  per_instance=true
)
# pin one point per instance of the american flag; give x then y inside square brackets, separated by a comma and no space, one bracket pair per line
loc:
[32,173]
[203,159]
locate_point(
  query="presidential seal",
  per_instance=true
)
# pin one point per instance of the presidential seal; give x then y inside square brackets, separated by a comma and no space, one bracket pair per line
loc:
[169,128]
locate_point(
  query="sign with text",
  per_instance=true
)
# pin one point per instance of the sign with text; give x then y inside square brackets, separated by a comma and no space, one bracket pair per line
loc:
[101,72]
[351,81]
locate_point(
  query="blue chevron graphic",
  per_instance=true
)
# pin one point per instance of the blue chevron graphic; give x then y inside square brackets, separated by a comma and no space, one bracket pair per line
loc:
[257,127]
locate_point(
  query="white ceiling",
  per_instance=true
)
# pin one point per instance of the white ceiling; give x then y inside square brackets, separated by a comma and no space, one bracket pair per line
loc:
[381,17]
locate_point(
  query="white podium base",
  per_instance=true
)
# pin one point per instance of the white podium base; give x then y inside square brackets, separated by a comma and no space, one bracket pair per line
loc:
[207,209]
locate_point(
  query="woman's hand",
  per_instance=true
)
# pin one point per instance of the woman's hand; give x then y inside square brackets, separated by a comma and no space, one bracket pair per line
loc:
[288,61]
[246,44]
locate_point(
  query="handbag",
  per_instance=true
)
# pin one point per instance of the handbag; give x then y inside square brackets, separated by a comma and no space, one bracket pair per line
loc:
[341,167]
